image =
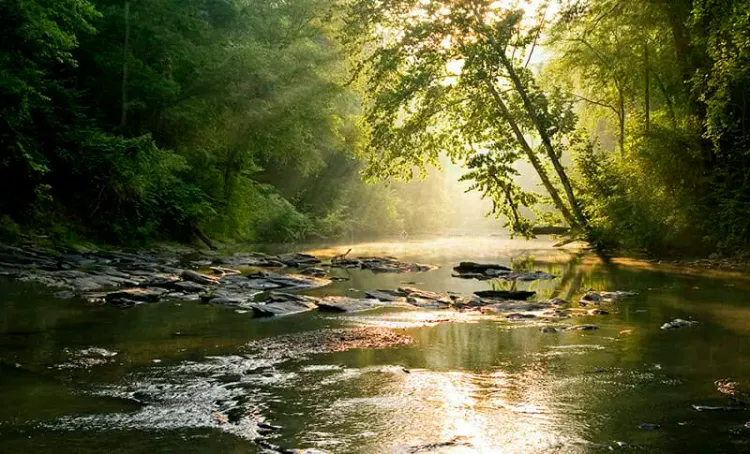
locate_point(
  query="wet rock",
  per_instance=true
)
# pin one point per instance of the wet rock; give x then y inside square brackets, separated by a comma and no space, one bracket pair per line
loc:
[64,294]
[386,295]
[590,298]
[597,312]
[481,268]
[225,301]
[381,265]
[263,280]
[427,295]
[189,287]
[221,271]
[678,323]
[160,280]
[199,278]
[505,295]
[582,328]
[315,271]
[712,408]
[512,306]
[345,304]
[613,297]
[648,426]
[519,316]
[548,329]
[138,294]
[297,260]
[280,304]
[558,302]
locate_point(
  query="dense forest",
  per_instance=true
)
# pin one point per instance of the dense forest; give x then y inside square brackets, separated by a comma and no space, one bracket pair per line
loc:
[253,120]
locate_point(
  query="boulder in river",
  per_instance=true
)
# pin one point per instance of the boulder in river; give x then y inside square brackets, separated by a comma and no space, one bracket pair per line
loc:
[346,304]
[590,298]
[486,271]
[582,328]
[199,278]
[386,295]
[381,265]
[133,296]
[264,280]
[280,304]
[505,294]
[678,323]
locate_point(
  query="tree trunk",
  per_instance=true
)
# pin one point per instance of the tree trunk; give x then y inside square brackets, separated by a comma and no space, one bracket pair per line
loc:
[125,52]
[621,117]
[540,170]
[667,99]
[647,87]
[530,109]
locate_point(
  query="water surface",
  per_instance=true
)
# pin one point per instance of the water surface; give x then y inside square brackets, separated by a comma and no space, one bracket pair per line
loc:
[195,378]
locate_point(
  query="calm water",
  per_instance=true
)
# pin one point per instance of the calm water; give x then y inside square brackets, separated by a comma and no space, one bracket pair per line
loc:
[191,378]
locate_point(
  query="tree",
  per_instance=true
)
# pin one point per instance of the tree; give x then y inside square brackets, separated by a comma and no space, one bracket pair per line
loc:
[452,77]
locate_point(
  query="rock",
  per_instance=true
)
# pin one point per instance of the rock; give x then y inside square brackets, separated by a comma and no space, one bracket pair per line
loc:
[345,304]
[263,280]
[678,323]
[558,302]
[381,265]
[710,408]
[64,294]
[612,297]
[412,292]
[189,287]
[597,312]
[530,276]
[221,271]
[481,268]
[589,298]
[386,295]
[199,278]
[548,329]
[648,426]
[519,316]
[225,301]
[504,294]
[511,306]
[281,304]
[314,271]
[160,280]
[297,260]
[582,328]
[139,294]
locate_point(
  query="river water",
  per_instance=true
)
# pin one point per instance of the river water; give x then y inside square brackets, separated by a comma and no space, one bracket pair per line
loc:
[196,378]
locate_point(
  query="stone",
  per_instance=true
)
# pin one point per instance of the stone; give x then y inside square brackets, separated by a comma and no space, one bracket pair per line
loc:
[138,294]
[582,328]
[519,316]
[281,304]
[481,268]
[160,280]
[590,298]
[648,426]
[548,329]
[412,292]
[346,304]
[712,408]
[504,294]
[297,260]
[678,323]
[558,302]
[597,312]
[386,295]
[199,278]
[189,287]
[381,265]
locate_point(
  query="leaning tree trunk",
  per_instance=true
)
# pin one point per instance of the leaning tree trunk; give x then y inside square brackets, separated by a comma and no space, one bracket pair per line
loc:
[535,162]
[546,141]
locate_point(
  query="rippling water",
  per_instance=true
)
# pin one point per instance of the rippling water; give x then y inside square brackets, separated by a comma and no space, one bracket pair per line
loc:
[196,378]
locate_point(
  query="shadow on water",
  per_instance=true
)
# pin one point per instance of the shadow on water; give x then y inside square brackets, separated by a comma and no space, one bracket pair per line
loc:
[195,378]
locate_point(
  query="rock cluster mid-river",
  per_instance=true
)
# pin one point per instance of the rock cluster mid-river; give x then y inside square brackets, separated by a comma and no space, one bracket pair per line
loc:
[407,358]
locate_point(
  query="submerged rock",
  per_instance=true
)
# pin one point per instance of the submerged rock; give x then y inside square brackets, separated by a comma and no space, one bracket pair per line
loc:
[590,298]
[678,323]
[199,278]
[381,265]
[582,328]
[346,304]
[504,294]
[280,304]
[486,271]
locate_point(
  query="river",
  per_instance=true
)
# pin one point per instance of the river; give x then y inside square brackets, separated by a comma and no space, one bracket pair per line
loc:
[189,377]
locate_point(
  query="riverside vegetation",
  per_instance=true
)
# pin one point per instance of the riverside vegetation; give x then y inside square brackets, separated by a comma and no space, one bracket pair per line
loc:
[249,120]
